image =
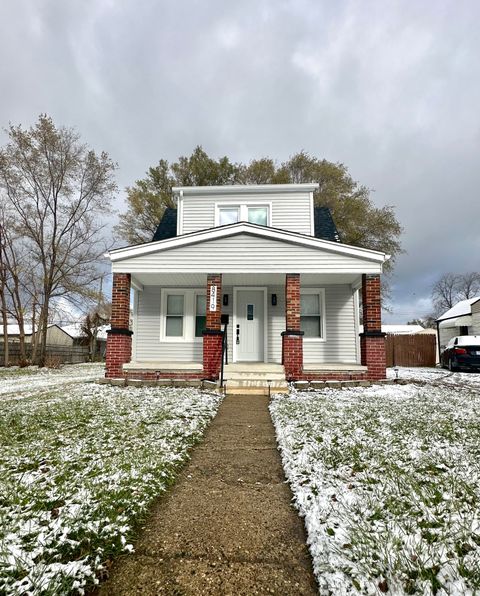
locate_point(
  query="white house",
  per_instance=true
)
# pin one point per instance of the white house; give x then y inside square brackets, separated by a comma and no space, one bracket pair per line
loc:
[256,264]
[462,319]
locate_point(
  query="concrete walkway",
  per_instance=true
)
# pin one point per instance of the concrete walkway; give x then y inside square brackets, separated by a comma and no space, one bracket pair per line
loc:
[227,526]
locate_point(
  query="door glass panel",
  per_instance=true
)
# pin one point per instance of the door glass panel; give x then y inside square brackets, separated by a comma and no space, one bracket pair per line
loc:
[228,215]
[249,312]
[258,215]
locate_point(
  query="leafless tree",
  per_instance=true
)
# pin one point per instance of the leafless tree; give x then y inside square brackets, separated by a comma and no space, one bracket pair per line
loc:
[468,285]
[453,287]
[59,192]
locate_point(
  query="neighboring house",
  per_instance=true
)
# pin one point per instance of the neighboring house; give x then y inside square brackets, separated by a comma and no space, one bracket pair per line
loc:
[260,262]
[56,336]
[80,338]
[462,319]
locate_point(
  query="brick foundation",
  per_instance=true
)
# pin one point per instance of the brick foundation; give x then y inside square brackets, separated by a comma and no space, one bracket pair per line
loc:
[212,336]
[152,375]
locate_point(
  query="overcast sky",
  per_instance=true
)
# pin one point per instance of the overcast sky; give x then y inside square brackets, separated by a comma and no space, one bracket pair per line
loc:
[390,89]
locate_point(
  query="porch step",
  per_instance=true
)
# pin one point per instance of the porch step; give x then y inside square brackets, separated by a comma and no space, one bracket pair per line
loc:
[254,378]
[242,387]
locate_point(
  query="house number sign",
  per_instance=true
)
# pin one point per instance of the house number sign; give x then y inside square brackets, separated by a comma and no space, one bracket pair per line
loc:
[213,298]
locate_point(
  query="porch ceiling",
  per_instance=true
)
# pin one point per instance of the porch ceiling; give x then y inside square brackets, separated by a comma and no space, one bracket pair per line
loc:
[242,279]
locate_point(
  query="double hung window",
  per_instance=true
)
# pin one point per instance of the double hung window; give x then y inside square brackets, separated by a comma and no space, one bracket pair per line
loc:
[311,313]
[183,314]
[174,315]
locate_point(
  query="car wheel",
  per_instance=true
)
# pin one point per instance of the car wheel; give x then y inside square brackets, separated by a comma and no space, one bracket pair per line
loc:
[451,365]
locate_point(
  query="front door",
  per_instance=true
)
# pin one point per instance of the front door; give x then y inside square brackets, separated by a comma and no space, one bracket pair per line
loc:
[249,331]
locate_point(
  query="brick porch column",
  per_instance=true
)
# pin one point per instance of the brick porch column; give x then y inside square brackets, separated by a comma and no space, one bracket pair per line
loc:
[372,340]
[119,337]
[212,336]
[292,337]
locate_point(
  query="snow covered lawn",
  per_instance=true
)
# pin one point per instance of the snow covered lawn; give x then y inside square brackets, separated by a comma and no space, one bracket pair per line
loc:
[31,380]
[79,466]
[388,480]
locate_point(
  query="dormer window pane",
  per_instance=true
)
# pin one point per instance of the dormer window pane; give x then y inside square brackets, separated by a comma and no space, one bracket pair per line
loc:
[258,215]
[228,215]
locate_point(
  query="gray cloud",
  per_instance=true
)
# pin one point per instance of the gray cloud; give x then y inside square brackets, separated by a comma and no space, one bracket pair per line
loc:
[391,89]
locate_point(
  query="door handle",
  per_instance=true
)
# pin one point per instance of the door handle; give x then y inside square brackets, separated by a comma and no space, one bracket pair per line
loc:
[238,334]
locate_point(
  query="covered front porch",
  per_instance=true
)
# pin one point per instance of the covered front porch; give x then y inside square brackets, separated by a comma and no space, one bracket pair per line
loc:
[283,299]
[308,324]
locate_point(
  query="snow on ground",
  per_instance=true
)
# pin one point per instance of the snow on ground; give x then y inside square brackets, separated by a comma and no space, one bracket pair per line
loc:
[435,375]
[24,382]
[388,481]
[79,467]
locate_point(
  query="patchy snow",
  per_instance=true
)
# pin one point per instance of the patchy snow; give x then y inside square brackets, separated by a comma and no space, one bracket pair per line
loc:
[435,375]
[79,467]
[25,382]
[388,481]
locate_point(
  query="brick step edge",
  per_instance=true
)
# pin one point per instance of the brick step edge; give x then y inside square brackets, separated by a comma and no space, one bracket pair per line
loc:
[315,385]
[197,383]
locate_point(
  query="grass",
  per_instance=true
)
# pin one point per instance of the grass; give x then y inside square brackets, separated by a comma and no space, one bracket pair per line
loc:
[78,473]
[388,479]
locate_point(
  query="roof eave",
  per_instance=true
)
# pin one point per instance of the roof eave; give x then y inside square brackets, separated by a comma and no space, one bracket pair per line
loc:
[245,227]
[245,188]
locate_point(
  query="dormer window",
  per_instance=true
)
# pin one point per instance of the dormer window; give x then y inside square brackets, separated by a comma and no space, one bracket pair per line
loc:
[228,215]
[258,215]
[253,213]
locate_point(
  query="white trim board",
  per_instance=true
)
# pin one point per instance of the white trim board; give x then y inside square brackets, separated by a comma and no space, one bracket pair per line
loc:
[245,189]
[120,254]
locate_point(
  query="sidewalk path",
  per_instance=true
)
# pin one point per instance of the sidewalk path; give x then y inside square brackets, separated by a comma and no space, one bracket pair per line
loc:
[227,526]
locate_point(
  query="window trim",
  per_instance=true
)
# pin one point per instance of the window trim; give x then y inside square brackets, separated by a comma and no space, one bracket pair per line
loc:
[189,314]
[231,207]
[320,292]
[242,207]
[194,313]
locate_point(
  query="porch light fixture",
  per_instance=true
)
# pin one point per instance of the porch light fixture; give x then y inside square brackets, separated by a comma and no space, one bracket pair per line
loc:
[274,300]
[225,300]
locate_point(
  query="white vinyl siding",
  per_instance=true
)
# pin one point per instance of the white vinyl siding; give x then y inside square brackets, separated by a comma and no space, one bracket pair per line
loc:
[339,344]
[147,337]
[476,323]
[340,339]
[245,253]
[290,211]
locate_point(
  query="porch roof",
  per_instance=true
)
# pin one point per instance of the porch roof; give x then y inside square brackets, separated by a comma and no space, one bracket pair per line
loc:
[246,248]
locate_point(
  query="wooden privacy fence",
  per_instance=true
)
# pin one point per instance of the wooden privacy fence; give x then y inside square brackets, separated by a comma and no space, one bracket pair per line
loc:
[411,350]
[61,354]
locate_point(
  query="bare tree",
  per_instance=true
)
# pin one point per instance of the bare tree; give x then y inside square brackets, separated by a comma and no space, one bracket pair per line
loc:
[468,285]
[445,292]
[59,192]
[453,287]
